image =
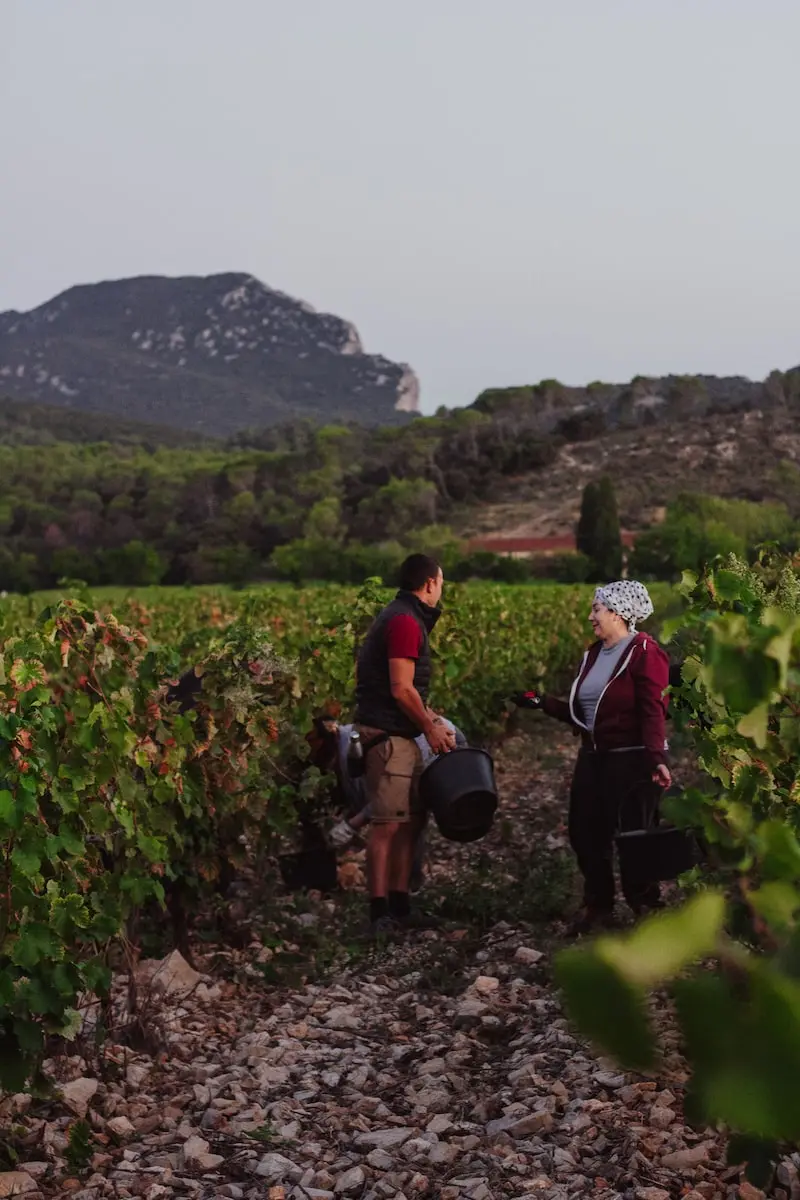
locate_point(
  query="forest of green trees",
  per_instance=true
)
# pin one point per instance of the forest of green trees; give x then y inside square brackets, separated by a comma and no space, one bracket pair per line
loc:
[84,496]
[136,512]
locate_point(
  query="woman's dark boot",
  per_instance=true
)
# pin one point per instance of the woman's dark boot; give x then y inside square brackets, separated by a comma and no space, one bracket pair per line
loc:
[592,920]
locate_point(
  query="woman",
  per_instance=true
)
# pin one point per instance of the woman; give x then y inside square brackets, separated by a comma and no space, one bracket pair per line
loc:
[617,704]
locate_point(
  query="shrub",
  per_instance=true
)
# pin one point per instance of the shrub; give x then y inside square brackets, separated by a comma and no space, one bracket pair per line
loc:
[698,529]
[573,567]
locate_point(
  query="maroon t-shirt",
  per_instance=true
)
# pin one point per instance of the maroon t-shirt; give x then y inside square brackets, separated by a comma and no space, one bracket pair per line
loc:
[403,637]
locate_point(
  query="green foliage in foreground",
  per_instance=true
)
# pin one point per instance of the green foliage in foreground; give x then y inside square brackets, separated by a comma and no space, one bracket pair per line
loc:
[730,957]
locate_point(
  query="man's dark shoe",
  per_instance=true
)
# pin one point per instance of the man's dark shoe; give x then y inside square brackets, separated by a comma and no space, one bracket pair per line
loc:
[385,927]
[418,920]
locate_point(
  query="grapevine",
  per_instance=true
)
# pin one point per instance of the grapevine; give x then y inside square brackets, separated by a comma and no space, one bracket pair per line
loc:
[116,798]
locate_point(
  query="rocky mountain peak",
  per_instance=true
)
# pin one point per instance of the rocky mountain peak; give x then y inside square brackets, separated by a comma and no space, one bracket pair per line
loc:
[213,354]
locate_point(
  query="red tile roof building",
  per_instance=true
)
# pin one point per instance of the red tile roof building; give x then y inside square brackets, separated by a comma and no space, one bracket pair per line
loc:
[526,547]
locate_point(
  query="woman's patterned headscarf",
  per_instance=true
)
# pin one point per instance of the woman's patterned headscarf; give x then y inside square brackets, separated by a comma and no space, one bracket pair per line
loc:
[628,598]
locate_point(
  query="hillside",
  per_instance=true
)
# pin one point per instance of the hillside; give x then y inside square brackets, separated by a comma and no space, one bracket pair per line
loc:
[145,512]
[752,455]
[584,412]
[209,355]
[153,505]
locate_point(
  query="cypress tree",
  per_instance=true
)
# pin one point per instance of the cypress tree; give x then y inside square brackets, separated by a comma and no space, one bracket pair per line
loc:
[598,535]
[587,521]
[608,536]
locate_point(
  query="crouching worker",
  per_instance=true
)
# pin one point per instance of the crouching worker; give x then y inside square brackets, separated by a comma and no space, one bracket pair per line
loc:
[619,707]
[393,674]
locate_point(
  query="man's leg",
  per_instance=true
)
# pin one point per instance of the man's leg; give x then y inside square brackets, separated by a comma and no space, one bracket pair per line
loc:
[389,774]
[401,857]
[411,846]
[379,866]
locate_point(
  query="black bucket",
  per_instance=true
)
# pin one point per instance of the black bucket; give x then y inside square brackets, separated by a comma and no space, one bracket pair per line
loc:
[310,870]
[657,853]
[459,790]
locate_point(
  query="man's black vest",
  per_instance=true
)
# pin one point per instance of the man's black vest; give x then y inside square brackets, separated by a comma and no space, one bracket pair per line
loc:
[375,704]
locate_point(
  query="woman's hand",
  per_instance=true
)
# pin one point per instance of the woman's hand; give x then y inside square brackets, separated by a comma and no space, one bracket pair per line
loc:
[662,775]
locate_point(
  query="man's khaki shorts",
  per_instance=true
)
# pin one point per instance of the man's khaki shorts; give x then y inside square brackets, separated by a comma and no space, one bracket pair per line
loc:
[391,777]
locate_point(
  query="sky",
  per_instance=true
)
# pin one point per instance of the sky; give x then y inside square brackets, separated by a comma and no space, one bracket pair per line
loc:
[494,191]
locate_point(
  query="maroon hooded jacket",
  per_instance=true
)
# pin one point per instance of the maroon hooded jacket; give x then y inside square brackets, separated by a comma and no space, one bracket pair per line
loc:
[632,708]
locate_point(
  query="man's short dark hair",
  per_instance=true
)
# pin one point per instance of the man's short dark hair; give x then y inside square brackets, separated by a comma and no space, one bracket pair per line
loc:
[416,571]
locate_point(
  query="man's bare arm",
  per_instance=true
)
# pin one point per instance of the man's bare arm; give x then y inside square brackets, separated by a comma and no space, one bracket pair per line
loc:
[401,679]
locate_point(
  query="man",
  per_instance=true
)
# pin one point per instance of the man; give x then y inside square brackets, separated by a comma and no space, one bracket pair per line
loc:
[392,681]
[358,808]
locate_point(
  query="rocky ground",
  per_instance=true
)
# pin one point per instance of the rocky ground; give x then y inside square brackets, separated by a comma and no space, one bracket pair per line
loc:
[306,1063]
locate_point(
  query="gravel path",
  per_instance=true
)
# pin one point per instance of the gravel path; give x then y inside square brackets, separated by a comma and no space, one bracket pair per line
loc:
[307,1064]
